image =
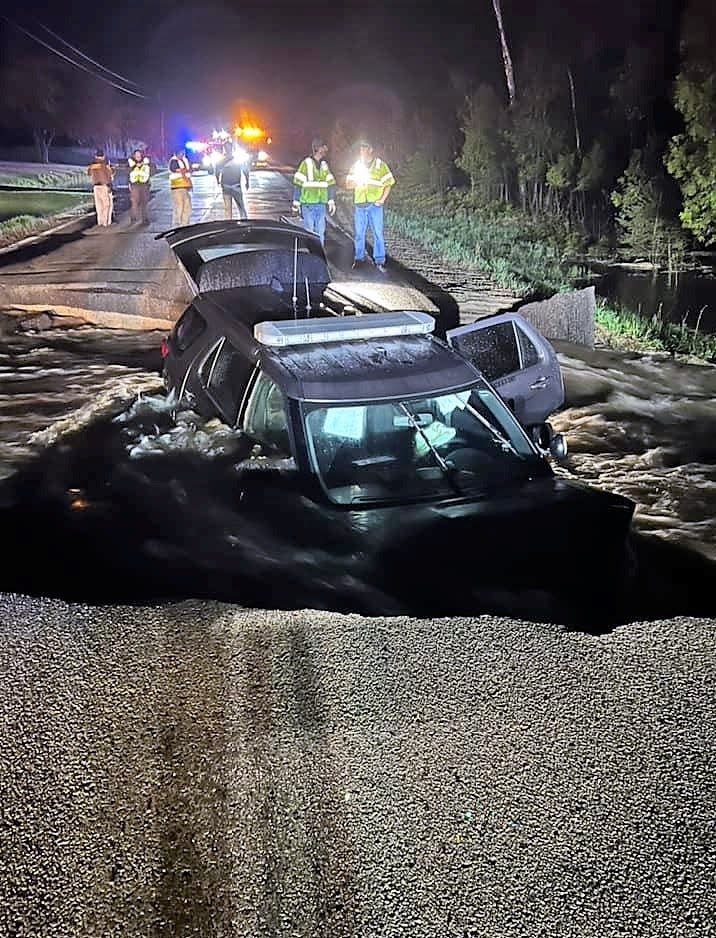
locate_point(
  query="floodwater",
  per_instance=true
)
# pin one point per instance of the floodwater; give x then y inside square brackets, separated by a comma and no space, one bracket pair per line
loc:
[688,298]
[107,495]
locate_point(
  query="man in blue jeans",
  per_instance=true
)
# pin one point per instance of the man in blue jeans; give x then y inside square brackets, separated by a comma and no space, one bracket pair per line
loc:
[314,190]
[371,181]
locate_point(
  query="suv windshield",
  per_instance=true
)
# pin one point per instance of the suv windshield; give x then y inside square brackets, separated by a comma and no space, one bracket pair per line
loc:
[455,443]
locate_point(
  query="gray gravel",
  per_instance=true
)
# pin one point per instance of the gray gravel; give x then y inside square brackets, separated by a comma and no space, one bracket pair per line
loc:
[201,769]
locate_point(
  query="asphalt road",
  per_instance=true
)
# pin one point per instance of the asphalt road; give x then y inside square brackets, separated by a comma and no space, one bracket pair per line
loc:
[122,277]
[123,269]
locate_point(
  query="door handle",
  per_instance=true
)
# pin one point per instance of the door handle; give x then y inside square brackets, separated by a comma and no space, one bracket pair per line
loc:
[541,382]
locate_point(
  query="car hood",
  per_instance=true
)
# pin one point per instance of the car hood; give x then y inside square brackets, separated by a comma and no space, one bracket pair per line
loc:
[536,532]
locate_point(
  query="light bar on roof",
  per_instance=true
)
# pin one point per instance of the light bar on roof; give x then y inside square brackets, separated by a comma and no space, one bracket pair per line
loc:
[343,328]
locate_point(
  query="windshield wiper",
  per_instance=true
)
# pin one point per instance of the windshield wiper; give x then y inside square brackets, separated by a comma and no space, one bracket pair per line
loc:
[503,441]
[445,467]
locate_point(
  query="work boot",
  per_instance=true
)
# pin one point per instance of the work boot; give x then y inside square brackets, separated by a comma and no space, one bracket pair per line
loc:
[381,268]
[356,265]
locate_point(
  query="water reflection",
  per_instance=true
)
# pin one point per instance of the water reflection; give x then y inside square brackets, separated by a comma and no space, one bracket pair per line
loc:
[689,297]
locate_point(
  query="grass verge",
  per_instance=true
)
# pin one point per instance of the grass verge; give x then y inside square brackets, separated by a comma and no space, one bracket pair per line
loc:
[42,180]
[22,226]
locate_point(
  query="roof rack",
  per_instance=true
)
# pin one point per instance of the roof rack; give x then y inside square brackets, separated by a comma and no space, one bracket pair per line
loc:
[343,328]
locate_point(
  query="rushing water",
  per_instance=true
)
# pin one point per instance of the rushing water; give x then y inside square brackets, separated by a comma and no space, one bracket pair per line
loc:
[88,440]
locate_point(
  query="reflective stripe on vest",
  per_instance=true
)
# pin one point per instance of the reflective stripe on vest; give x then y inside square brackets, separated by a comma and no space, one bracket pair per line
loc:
[180,180]
[314,181]
[138,171]
[370,181]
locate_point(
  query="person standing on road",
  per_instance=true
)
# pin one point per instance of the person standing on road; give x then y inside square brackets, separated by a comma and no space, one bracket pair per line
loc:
[101,174]
[314,190]
[230,176]
[180,185]
[139,173]
[371,181]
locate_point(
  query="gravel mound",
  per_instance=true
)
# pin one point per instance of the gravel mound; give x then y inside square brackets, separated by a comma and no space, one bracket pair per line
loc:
[203,769]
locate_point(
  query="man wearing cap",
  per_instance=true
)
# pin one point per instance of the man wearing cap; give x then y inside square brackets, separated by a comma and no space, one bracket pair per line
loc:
[371,181]
[101,173]
[314,190]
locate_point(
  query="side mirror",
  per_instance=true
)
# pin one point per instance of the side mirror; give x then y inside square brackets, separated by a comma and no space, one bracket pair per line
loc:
[550,442]
[558,447]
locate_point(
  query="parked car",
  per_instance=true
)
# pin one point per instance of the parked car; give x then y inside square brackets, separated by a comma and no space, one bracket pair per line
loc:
[393,433]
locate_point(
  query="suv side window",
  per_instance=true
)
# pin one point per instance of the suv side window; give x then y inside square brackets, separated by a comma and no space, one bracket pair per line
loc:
[498,350]
[265,419]
[493,349]
[226,374]
[190,326]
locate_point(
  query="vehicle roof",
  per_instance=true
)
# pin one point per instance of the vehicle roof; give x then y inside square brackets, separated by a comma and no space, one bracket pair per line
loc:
[367,369]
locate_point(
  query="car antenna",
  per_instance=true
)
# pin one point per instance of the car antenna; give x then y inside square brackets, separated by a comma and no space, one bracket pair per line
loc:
[308,298]
[295,275]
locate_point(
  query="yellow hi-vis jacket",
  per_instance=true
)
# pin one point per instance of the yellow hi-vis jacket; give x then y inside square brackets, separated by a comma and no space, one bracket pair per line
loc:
[179,173]
[315,180]
[369,181]
[139,170]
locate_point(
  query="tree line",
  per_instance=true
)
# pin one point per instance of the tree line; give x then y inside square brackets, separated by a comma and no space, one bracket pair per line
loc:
[602,144]
[46,97]
[609,150]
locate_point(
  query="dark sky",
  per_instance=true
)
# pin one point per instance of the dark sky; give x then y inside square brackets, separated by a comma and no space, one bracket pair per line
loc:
[290,63]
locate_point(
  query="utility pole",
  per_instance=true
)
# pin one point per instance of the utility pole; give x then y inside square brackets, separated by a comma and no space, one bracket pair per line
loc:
[577,140]
[506,57]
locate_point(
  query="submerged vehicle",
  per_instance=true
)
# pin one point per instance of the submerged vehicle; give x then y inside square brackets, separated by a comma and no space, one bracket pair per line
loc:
[244,272]
[417,446]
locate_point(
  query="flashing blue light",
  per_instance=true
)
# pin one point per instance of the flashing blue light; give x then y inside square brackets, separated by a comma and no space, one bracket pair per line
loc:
[195,146]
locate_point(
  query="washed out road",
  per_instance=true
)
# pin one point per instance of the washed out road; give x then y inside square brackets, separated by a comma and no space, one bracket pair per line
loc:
[207,769]
[121,276]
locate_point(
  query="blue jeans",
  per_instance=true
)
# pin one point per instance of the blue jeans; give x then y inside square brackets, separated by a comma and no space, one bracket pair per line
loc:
[234,194]
[314,218]
[369,214]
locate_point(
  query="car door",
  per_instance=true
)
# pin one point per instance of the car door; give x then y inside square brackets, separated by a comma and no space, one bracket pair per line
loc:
[517,360]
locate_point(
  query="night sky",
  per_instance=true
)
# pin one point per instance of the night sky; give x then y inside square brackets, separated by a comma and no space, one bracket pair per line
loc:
[299,66]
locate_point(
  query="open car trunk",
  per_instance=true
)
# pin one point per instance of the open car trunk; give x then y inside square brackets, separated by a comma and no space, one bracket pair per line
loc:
[229,255]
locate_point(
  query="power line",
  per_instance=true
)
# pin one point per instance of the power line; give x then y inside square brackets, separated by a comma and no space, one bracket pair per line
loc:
[84,68]
[69,45]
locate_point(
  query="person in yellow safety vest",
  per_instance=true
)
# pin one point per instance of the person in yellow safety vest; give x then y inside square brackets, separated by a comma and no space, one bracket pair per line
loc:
[180,186]
[371,181]
[139,173]
[101,173]
[314,190]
